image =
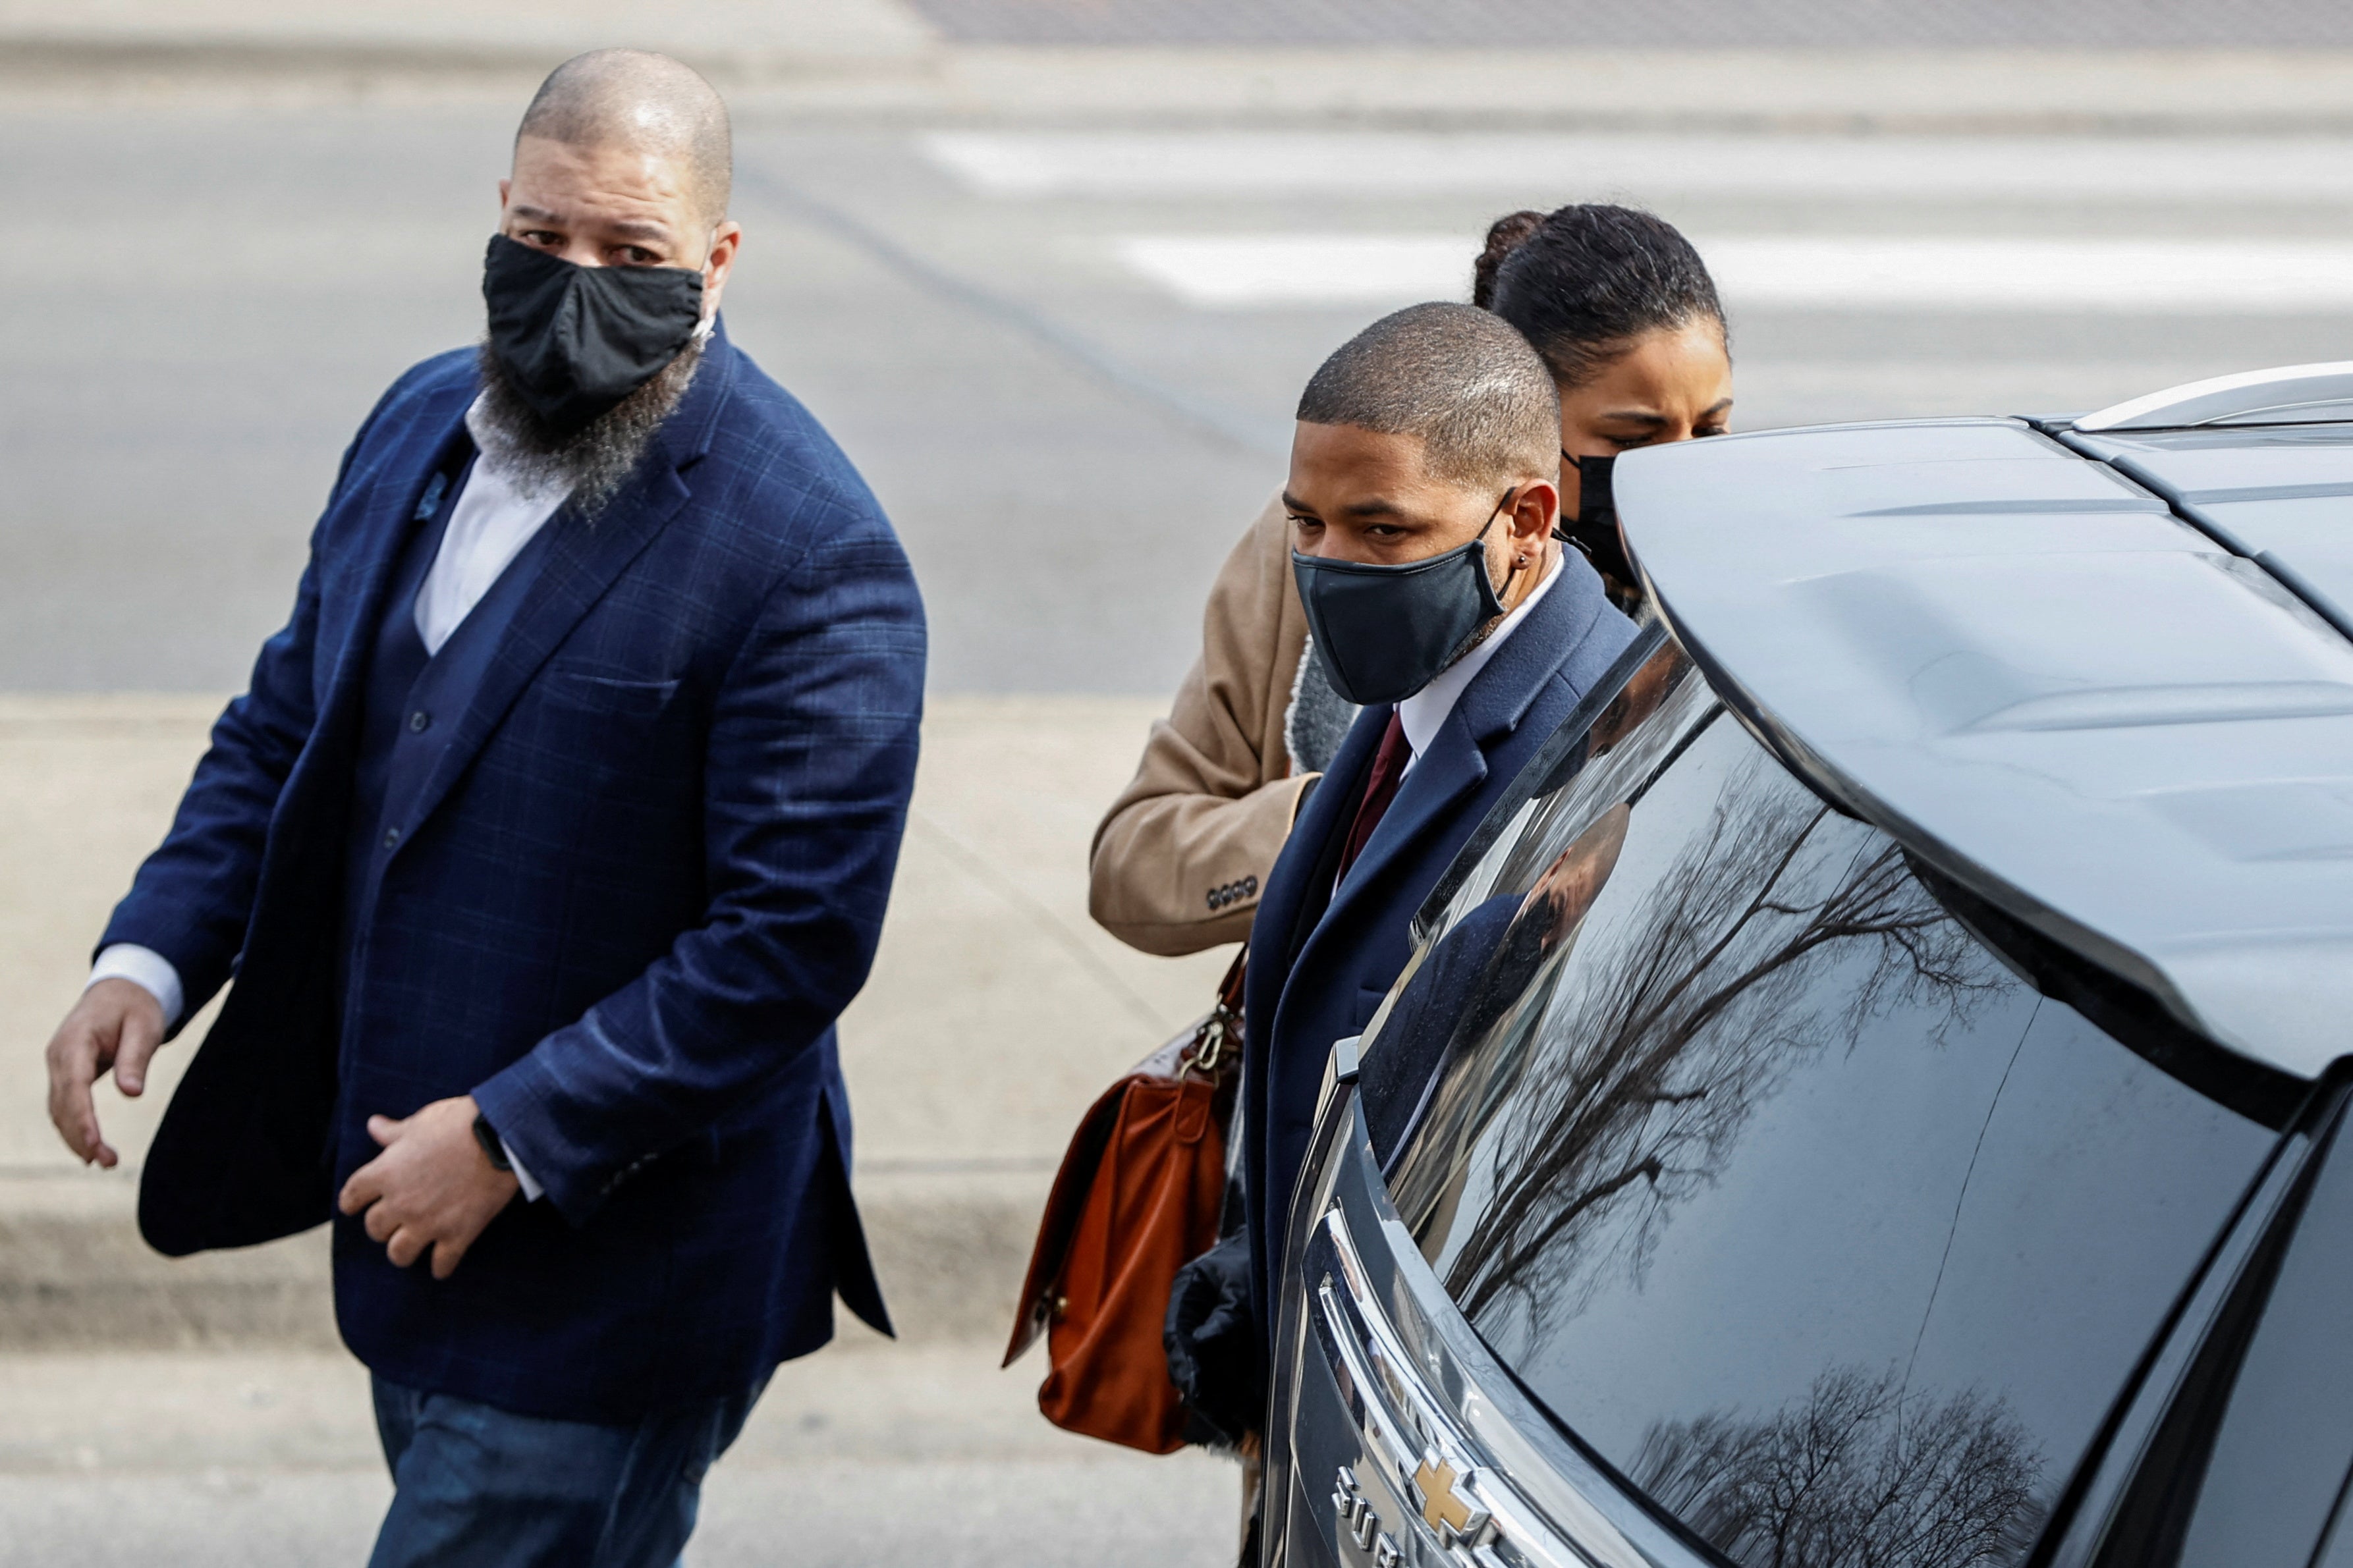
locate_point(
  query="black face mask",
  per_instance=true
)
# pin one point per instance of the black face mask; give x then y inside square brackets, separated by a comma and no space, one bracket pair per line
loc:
[1594,530]
[1386,632]
[577,340]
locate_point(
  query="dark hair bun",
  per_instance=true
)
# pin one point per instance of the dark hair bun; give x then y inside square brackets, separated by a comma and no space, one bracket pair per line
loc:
[1584,282]
[1505,235]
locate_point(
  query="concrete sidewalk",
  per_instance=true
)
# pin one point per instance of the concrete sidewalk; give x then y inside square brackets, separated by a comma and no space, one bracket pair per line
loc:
[996,1011]
[862,1454]
[869,59]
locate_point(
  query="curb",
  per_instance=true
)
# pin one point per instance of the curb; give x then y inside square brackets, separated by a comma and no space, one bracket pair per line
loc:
[75,1275]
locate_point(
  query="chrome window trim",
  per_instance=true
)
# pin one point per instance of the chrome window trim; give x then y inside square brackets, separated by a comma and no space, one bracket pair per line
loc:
[1421,1386]
[1400,1422]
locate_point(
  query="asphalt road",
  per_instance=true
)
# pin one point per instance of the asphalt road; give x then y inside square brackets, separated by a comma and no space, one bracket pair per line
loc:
[201,303]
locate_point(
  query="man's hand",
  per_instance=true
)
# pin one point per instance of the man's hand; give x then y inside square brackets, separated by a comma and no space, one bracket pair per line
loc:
[432,1187]
[116,1023]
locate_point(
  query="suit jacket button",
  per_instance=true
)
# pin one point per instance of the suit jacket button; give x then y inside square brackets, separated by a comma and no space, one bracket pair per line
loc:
[391,836]
[420,721]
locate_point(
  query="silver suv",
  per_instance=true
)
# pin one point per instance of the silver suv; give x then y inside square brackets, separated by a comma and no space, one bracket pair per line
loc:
[1871,1100]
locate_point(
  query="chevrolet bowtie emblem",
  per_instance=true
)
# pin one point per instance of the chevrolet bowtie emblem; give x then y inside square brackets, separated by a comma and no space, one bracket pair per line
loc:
[1444,1507]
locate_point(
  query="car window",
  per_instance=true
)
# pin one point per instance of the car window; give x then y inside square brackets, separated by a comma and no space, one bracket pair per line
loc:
[2248,1466]
[2276,1468]
[1790,1198]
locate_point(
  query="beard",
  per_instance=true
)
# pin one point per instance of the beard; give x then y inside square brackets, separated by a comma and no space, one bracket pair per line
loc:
[595,460]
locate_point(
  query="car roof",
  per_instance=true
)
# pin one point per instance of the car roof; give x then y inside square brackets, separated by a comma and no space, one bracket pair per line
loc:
[2111,696]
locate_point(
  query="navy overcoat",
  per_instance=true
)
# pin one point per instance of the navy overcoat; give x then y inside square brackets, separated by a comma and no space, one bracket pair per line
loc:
[646,873]
[1323,958]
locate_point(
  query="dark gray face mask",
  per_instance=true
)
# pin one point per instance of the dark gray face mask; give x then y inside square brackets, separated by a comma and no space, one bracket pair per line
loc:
[1386,632]
[577,340]
[1594,529]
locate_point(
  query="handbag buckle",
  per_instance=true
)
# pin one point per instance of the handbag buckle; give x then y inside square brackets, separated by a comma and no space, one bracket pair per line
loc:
[1210,1046]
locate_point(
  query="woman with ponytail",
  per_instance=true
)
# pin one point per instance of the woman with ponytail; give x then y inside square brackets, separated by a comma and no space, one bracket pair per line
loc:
[1622,310]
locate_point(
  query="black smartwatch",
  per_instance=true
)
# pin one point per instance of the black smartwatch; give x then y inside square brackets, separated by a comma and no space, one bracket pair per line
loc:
[487,1136]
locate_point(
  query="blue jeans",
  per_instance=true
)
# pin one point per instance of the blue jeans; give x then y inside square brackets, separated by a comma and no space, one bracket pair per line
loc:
[476,1487]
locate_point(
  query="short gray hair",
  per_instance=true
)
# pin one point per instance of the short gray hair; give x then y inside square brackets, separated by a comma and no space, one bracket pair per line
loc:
[637,98]
[1464,382]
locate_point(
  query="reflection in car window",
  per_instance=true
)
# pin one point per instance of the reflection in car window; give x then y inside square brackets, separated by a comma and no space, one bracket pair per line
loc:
[1794,1202]
[1523,894]
[1653,712]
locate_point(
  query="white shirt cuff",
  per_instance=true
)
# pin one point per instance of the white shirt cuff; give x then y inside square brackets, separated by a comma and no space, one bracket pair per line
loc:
[532,1191]
[145,968]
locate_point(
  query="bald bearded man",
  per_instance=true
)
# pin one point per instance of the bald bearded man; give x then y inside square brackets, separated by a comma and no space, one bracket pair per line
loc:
[552,835]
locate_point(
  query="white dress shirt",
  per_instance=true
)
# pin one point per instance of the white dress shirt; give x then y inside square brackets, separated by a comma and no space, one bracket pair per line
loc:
[1424,713]
[494,517]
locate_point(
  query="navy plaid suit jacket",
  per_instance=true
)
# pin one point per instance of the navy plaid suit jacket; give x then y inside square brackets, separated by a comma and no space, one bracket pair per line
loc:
[648,872]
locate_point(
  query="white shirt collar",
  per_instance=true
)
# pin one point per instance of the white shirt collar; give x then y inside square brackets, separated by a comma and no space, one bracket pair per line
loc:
[1424,713]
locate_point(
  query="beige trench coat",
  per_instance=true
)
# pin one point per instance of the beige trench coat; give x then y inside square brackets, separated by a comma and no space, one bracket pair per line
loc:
[1178,861]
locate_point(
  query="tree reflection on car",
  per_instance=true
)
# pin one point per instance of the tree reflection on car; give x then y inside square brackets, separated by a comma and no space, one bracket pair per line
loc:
[1647,1070]
[1856,1475]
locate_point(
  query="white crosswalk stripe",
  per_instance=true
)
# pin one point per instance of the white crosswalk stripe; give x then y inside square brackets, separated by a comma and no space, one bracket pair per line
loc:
[1256,272]
[1547,170]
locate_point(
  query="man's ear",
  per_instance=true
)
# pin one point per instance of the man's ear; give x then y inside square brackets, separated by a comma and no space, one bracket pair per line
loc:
[1535,510]
[719,260]
[504,186]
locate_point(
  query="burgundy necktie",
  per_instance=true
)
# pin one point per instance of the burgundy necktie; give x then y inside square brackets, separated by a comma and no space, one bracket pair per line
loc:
[1388,772]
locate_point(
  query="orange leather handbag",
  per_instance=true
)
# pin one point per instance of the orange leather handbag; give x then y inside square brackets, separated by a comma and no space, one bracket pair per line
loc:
[1136,1199]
